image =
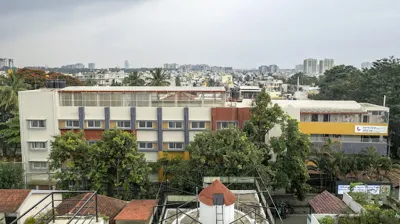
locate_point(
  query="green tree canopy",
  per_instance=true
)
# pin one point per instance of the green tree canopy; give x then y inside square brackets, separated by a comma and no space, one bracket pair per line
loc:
[117,168]
[11,84]
[70,160]
[134,79]
[293,148]
[303,79]
[10,134]
[177,81]
[225,152]
[11,175]
[158,78]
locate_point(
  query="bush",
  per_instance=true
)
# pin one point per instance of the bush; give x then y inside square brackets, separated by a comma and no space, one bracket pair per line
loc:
[327,220]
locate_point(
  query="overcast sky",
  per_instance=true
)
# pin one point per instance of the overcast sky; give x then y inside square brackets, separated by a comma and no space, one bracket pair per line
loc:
[237,33]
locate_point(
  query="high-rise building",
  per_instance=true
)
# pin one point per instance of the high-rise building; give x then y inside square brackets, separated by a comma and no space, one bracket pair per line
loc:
[126,64]
[310,66]
[328,64]
[264,69]
[171,66]
[321,67]
[6,62]
[273,68]
[366,65]
[92,66]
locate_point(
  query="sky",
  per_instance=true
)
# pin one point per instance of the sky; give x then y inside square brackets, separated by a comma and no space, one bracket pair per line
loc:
[236,33]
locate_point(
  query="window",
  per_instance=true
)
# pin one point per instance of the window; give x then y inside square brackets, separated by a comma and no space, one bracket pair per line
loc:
[94,124]
[175,124]
[327,117]
[175,145]
[365,119]
[145,124]
[38,124]
[72,124]
[38,145]
[146,145]
[225,124]
[124,124]
[376,112]
[198,125]
[314,117]
[39,165]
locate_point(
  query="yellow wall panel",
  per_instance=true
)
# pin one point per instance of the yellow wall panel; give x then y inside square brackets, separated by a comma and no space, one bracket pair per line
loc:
[208,126]
[336,128]
[113,124]
[164,125]
[61,124]
[165,146]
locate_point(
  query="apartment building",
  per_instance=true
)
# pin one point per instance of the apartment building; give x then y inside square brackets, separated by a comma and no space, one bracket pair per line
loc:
[165,119]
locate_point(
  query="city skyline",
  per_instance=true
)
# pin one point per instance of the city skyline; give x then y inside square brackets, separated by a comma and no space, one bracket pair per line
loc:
[224,33]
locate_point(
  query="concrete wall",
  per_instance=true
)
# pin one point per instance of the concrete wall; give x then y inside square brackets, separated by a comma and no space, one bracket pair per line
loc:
[349,201]
[37,105]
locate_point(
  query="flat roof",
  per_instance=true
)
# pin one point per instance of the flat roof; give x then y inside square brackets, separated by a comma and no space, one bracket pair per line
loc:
[141,89]
[374,107]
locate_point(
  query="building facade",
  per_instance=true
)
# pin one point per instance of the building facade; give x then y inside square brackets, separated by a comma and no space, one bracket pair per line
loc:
[126,64]
[165,119]
[92,66]
[310,66]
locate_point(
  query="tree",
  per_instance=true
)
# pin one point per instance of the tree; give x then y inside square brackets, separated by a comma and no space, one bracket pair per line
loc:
[70,80]
[10,134]
[290,167]
[226,152]
[35,78]
[158,78]
[134,79]
[117,168]
[11,85]
[265,115]
[211,82]
[115,83]
[11,175]
[70,160]
[303,79]
[340,83]
[177,81]
[90,82]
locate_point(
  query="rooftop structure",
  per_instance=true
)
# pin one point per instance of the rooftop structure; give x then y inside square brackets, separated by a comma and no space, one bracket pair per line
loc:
[327,203]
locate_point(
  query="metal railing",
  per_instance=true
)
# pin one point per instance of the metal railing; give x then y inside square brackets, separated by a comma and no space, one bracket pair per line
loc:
[50,212]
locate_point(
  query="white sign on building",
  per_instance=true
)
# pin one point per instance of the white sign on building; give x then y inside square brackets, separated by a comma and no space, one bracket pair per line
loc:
[370,129]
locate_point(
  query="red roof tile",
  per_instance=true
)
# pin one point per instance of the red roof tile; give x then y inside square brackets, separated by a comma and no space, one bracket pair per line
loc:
[327,203]
[107,206]
[137,210]
[11,199]
[206,195]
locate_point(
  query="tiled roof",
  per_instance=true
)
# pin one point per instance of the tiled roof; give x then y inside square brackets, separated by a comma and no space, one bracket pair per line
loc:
[137,210]
[206,195]
[11,199]
[327,203]
[107,206]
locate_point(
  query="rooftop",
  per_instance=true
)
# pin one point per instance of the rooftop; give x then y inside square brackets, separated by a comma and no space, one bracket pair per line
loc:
[11,199]
[137,210]
[206,195]
[327,203]
[107,206]
[141,89]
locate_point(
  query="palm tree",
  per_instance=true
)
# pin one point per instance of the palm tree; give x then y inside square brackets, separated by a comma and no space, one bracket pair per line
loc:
[134,79]
[10,86]
[158,78]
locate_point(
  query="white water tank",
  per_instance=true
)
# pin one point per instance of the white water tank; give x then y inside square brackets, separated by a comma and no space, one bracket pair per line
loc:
[217,204]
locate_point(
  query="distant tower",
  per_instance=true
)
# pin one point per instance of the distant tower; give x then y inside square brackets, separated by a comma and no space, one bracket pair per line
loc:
[126,64]
[217,204]
[92,66]
[11,63]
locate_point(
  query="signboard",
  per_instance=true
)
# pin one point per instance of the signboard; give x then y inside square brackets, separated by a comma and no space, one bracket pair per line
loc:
[370,129]
[372,189]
